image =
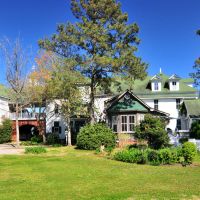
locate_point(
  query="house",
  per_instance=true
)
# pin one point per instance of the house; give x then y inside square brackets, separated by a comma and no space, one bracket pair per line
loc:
[160,92]
[125,111]
[189,113]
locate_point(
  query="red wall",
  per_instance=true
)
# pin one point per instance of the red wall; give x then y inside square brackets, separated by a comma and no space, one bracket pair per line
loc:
[26,122]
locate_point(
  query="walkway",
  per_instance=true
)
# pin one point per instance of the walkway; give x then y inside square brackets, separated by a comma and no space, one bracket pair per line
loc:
[10,149]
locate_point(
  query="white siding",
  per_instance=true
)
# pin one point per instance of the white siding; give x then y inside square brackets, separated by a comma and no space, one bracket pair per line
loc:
[172,87]
[99,107]
[52,117]
[168,106]
[4,109]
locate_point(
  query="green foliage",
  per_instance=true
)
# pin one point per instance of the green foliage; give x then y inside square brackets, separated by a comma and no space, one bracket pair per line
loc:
[53,138]
[35,150]
[151,156]
[152,129]
[195,130]
[37,139]
[189,152]
[183,140]
[92,136]
[5,131]
[102,40]
[131,156]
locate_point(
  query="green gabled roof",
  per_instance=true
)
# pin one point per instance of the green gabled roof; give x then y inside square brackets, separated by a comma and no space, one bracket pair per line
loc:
[188,80]
[193,107]
[120,103]
[143,88]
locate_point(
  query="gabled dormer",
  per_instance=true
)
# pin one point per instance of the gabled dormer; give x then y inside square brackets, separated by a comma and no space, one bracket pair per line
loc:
[174,82]
[156,83]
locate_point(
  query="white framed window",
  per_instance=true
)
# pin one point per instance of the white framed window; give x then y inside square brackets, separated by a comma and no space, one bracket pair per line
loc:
[127,123]
[114,123]
[131,122]
[178,102]
[124,123]
[156,86]
[156,104]
[174,85]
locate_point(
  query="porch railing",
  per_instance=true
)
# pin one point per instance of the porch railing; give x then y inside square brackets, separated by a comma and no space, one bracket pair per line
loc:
[25,116]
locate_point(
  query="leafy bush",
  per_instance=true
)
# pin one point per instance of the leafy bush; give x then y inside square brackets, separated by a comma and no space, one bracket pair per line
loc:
[131,156]
[37,139]
[92,136]
[5,131]
[189,151]
[152,129]
[153,157]
[183,140]
[35,150]
[53,138]
[183,155]
[195,130]
[165,156]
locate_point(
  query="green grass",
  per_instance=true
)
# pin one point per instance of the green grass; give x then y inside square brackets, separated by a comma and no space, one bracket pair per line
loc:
[64,173]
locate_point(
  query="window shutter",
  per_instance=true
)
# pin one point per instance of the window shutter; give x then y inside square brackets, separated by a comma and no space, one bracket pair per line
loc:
[53,129]
[60,129]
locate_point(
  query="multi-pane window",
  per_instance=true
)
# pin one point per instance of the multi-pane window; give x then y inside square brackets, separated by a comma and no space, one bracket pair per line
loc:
[178,101]
[155,85]
[127,123]
[56,128]
[131,122]
[114,123]
[174,85]
[178,124]
[56,109]
[124,123]
[156,104]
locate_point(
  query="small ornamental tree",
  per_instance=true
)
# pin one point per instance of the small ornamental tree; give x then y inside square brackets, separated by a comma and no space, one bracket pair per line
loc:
[5,131]
[152,129]
[92,136]
[195,130]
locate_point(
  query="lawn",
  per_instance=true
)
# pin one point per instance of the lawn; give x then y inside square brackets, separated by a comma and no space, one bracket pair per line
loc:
[66,173]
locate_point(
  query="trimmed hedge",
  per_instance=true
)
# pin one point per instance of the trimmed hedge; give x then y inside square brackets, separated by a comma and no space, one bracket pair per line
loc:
[158,157]
[5,131]
[92,136]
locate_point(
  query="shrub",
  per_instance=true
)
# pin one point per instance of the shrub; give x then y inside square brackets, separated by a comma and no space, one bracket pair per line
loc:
[35,150]
[153,157]
[165,156]
[53,138]
[6,131]
[195,130]
[189,151]
[92,136]
[152,129]
[131,156]
[183,140]
[37,139]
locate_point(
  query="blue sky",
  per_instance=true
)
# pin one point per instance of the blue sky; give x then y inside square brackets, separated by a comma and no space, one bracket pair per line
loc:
[167,28]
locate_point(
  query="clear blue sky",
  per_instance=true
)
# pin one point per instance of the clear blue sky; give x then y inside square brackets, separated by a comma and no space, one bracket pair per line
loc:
[167,28]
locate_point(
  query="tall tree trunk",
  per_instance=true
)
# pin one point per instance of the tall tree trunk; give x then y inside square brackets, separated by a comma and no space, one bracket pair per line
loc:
[69,138]
[91,103]
[17,124]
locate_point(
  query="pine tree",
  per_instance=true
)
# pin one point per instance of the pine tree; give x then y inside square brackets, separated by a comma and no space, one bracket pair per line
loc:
[103,43]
